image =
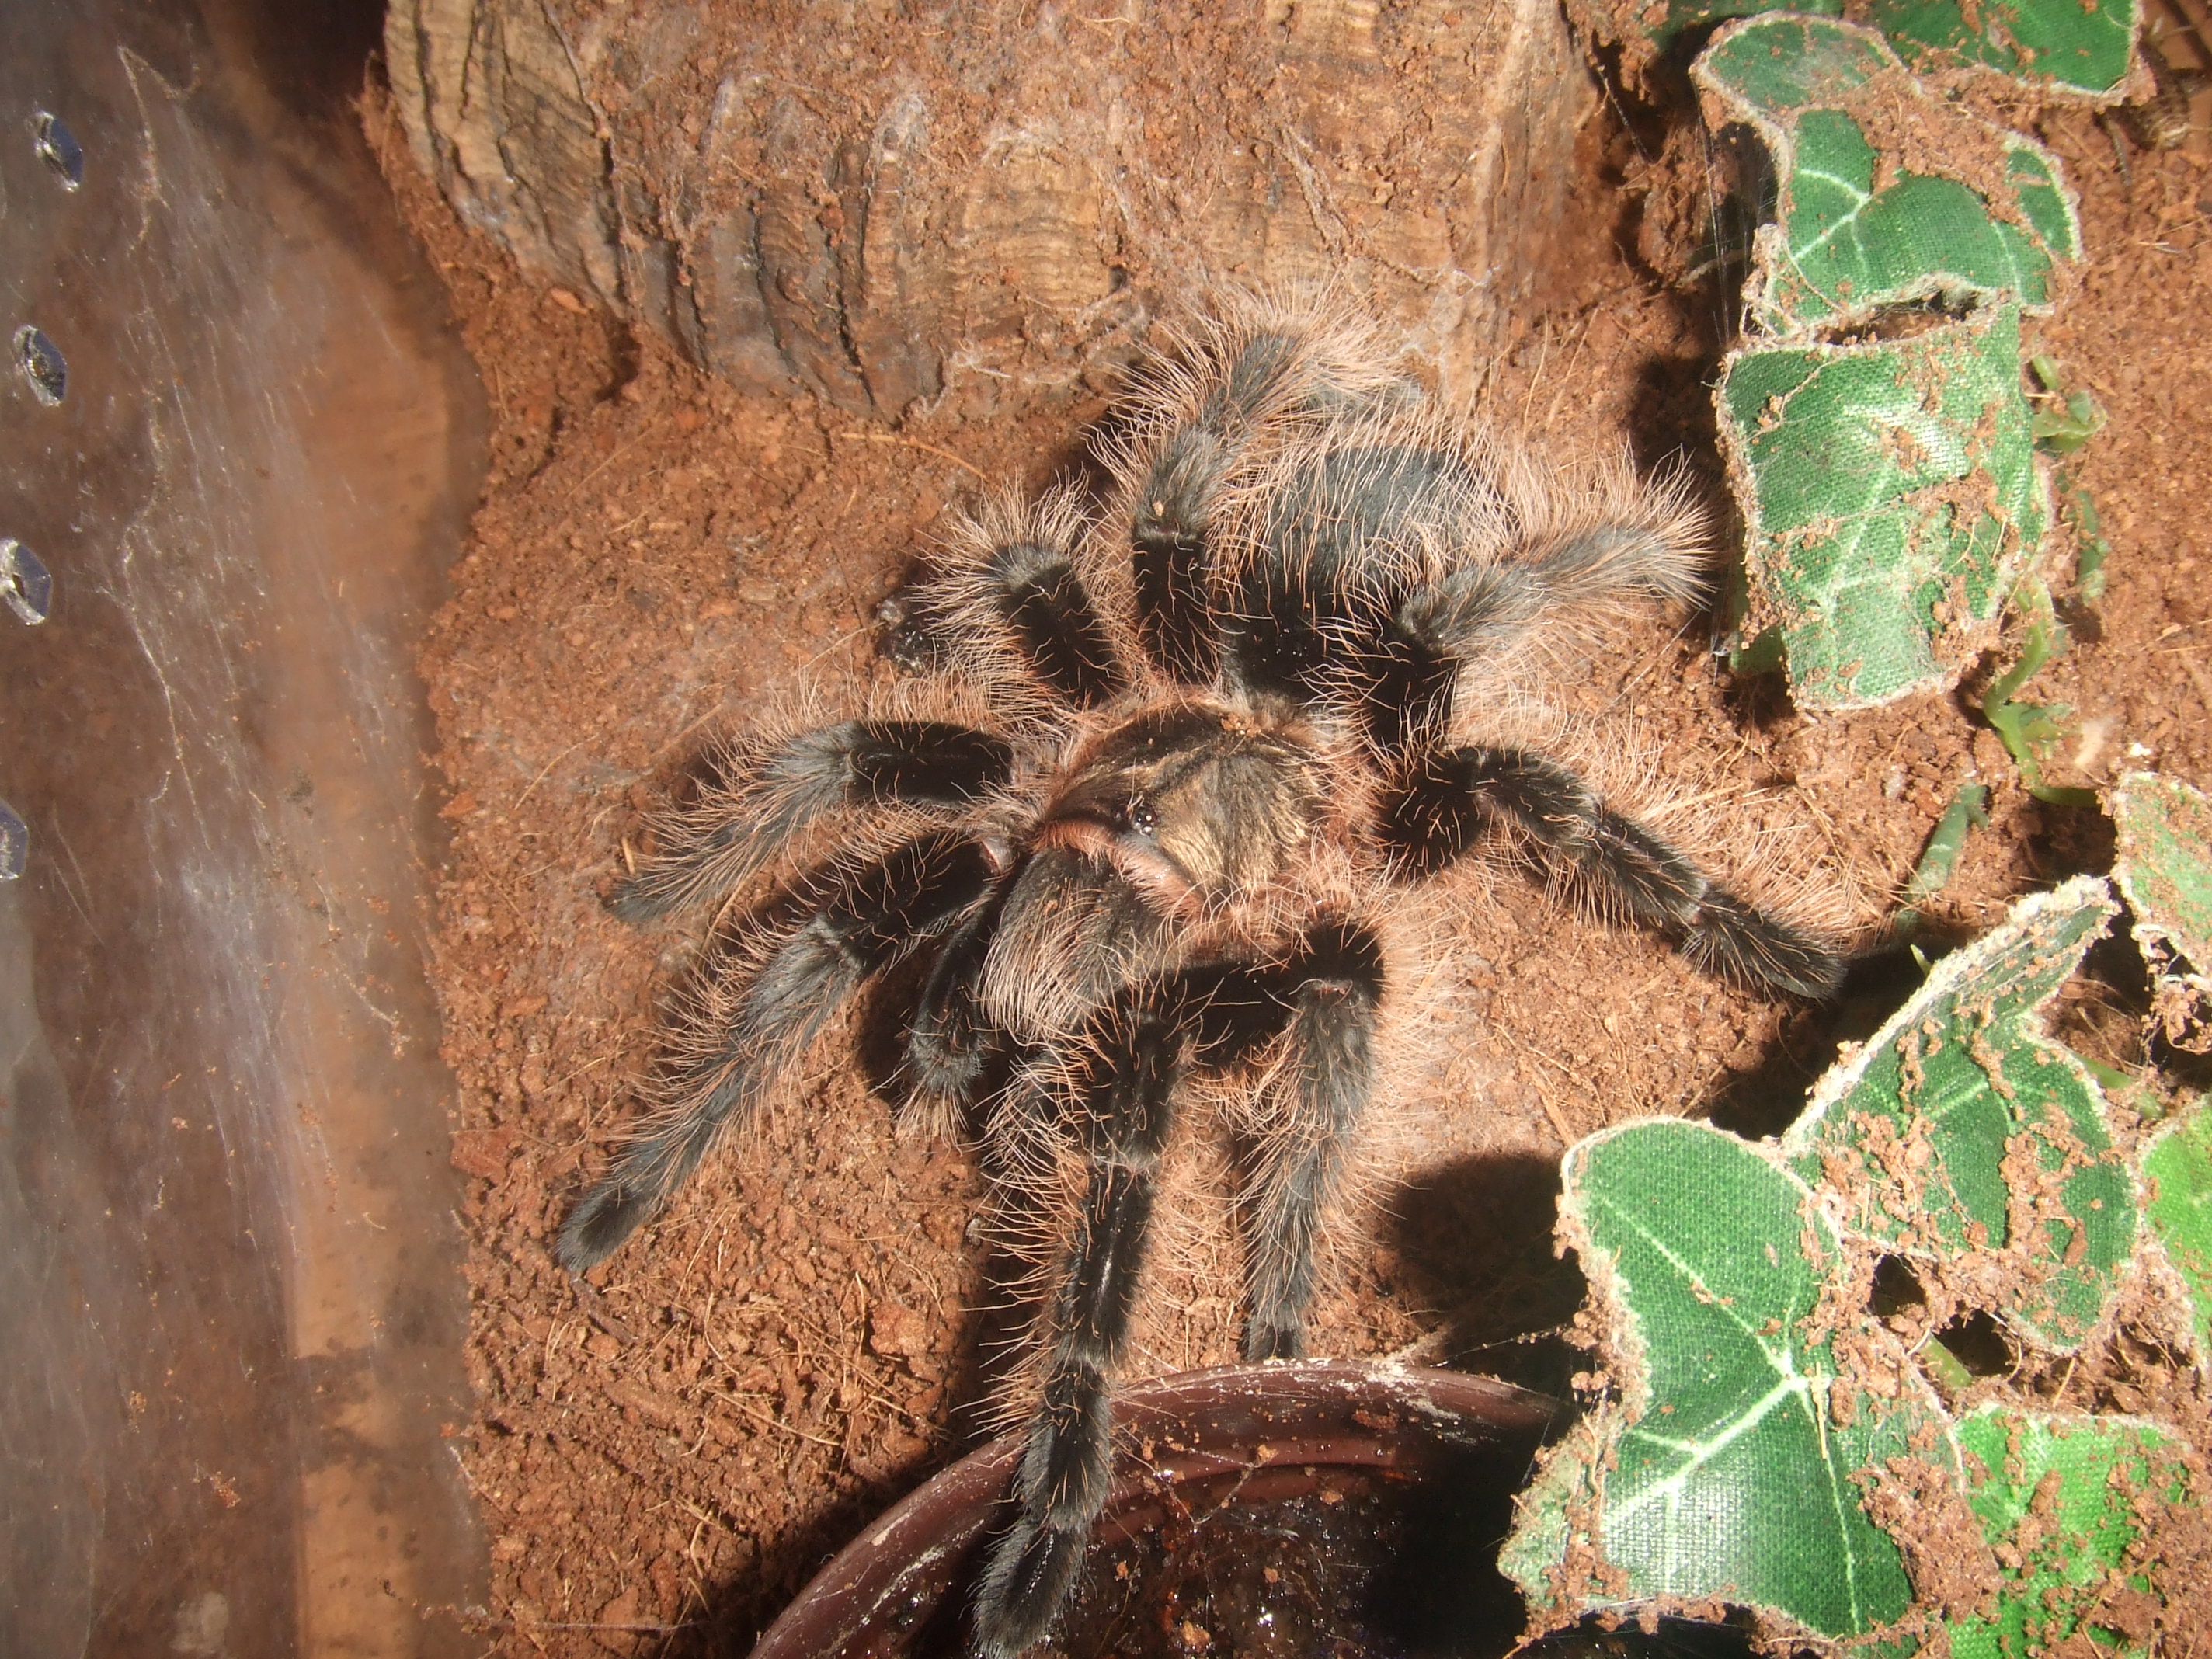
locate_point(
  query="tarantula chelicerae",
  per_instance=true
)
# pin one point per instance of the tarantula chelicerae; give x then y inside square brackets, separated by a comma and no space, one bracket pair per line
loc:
[1150,813]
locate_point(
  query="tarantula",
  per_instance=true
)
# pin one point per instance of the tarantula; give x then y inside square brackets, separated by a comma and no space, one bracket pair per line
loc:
[1150,815]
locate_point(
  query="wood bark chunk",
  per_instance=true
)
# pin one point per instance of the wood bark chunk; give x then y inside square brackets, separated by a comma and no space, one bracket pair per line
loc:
[888,203]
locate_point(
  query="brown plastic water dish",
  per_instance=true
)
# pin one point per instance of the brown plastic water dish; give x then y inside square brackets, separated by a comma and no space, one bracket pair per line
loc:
[1303,1509]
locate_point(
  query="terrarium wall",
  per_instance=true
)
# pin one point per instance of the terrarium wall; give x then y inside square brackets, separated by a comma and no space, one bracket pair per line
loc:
[888,205]
[226,1247]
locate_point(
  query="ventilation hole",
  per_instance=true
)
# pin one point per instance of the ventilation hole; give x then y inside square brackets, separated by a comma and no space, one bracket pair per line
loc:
[42,364]
[1979,1344]
[57,146]
[25,583]
[1896,1288]
[15,843]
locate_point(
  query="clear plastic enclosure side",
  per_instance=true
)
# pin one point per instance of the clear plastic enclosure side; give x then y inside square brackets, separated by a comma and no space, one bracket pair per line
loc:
[227,1241]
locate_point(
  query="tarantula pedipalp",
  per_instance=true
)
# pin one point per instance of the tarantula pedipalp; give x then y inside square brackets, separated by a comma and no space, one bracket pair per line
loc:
[1152,813]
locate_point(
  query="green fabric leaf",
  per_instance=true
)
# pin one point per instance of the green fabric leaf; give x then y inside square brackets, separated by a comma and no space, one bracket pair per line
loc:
[1891,498]
[1961,1138]
[1888,196]
[2060,1498]
[2082,45]
[2177,1169]
[2079,47]
[2040,190]
[1729,1466]
[2165,863]
[2164,869]
[1678,17]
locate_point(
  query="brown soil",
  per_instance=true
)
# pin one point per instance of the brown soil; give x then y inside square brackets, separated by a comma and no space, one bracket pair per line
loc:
[663,1454]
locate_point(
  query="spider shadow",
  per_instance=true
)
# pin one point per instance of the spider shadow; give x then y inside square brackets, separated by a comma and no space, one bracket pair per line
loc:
[1472,1239]
[730,1615]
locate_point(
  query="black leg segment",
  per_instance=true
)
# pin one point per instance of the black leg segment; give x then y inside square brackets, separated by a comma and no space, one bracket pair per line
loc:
[950,1046]
[1331,991]
[1043,604]
[1171,531]
[1312,617]
[1485,607]
[1433,630]
[861,923]
[738,825]
[1124,1100]
[1170,556]
[1442,803]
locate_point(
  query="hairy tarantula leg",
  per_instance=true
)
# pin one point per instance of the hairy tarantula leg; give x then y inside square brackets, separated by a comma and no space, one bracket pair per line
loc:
[951,1043]
[1435,629]
[735,830]
[1171,558]
[1332,988]
[1312,617]
[1481,610]
[1444,803]
[1044,602]
[868,920]
[1170,531]
[1737,941]
[1124,1108]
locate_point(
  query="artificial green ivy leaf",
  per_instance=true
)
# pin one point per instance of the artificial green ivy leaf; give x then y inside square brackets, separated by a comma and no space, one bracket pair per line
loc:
[1732,1464]
[1887,197]
[2164,862]
[2177,1169]
[2038,188]
[2164,869]
[2060,1498]
[2082,45]
[1891,500]
[1961,1138]
[2077,46]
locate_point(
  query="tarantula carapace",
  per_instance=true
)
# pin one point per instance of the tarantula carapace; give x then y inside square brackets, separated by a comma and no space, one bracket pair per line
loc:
[1152,810]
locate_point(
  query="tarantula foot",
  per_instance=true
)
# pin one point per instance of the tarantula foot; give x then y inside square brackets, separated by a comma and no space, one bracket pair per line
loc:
[596,1228]
[1731,939]
[906,636]
[1032,1571]
[636,902]
[1271,1341]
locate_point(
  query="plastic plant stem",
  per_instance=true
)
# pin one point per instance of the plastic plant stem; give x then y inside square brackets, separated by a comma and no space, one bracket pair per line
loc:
[1948,1371]
[2092,551]
[1969,806]
[2024,727]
